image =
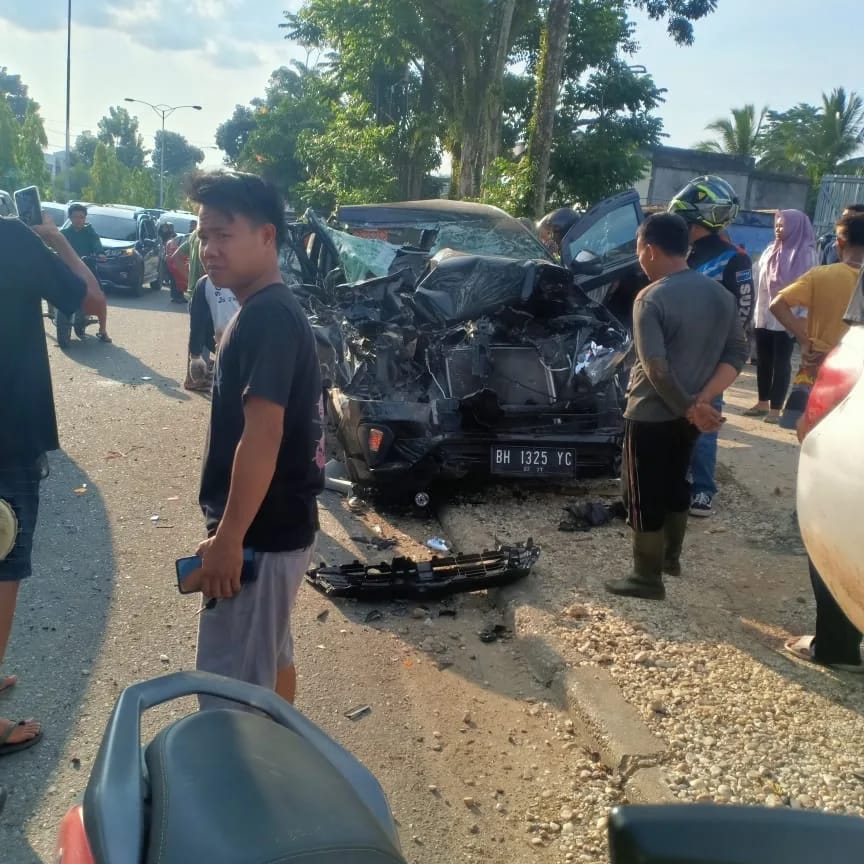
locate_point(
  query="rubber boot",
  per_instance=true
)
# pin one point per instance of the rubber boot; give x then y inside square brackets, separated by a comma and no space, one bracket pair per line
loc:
[674,530]
[646,580]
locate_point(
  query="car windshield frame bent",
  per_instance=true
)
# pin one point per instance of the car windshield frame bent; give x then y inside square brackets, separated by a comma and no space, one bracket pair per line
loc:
[108,227]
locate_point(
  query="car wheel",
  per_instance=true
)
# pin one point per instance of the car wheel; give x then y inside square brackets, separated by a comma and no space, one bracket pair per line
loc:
[64,328]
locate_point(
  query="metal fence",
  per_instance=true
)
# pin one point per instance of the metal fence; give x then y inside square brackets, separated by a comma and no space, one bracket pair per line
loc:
[835,193]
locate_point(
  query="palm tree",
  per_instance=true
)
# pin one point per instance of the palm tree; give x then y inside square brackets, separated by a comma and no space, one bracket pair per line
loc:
[814,141]
[740,136]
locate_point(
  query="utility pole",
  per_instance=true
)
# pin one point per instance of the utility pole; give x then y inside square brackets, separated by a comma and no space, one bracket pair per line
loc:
[68,164]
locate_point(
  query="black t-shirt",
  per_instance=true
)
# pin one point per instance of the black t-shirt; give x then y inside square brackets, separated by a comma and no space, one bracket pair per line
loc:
[268,351]
[29,271]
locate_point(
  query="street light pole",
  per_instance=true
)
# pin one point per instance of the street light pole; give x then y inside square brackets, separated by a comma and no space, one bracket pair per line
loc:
[163,111]
[68,94]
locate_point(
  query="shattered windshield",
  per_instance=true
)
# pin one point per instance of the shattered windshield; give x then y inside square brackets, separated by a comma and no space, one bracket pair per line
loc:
[362,258]
[505,238]
[501,236]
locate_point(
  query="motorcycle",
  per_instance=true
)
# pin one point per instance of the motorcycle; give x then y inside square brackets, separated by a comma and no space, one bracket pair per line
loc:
[225,786]
[78,322]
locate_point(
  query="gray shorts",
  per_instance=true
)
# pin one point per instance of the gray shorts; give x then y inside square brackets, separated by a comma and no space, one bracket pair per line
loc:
[249,637]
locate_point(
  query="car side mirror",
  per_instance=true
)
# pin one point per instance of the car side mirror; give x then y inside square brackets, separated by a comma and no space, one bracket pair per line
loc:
[586,268]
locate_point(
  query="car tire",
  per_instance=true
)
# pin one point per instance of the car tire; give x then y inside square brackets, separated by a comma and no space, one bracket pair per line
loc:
[63,324]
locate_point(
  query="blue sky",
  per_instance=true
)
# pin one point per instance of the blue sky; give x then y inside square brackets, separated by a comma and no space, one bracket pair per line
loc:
[220,52]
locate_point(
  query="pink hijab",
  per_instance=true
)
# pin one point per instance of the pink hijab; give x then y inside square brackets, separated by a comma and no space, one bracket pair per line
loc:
[790,258]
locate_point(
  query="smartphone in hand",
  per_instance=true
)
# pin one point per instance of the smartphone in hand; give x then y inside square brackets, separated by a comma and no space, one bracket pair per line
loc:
[188,572]
[29,206]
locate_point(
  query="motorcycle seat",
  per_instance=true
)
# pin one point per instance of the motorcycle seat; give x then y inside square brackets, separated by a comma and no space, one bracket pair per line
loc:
[232,787]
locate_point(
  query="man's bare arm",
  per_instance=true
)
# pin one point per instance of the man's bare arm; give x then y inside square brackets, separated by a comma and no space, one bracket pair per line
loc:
[254,466]
[781,310]
[723,378]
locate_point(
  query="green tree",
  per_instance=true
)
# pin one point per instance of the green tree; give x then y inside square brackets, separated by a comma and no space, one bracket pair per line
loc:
[349,166]
[232,135]
[107,178]
[16,94]
[119,130]
[296,102]
[30,155]
[181,157]
[812,141]
[740,135]
[85,148]
[8,146]
[71,185]
[139,188]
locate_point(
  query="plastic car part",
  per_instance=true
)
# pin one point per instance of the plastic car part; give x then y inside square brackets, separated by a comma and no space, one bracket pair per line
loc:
[404,577]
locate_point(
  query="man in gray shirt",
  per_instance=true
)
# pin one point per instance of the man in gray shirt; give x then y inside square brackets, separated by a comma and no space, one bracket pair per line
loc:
[690,347]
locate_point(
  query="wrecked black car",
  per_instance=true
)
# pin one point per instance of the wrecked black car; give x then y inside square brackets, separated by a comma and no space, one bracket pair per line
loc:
[452,345]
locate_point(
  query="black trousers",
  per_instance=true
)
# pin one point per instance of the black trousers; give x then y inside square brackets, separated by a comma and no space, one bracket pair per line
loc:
[655,464]
[773,365]
[837,639]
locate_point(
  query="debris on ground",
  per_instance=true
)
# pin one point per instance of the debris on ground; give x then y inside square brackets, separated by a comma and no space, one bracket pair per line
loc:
[585,515]
[336,478]
[379,543]
[357,713]
[494,633]
[404,577]
[438,544]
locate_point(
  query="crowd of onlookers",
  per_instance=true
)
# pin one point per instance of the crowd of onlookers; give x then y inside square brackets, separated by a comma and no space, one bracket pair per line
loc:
[264,459]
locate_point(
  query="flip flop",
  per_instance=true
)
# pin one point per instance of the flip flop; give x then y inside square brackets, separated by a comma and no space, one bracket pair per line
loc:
[7,682]
[17,747]
[802,649]
[755,412]
[773,419]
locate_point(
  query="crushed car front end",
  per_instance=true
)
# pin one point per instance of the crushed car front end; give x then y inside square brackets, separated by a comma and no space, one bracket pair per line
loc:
[484,366]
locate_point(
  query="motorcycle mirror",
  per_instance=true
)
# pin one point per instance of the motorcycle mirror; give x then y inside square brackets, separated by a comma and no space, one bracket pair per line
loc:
[707,834]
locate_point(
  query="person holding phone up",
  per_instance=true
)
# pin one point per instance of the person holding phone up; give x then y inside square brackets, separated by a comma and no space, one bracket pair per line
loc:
[29,273]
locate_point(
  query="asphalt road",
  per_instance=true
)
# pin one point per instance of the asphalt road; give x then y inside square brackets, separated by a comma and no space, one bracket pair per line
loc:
[457,734]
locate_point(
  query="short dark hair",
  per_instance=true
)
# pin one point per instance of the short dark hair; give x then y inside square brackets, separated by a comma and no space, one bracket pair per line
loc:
[235,193]
[854,208]
[852,229]
[668,231]
[76,208]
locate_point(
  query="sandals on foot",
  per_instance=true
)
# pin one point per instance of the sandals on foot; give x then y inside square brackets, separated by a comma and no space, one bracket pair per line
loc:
[6,749]
[7,682]
[104,337]
[802,649]
[755,411]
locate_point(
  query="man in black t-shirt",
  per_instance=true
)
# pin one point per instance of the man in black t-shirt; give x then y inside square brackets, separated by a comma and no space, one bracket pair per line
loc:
[29,272]
[264,460]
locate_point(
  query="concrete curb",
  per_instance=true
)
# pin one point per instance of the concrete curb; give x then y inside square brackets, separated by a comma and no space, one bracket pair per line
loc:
[589,693]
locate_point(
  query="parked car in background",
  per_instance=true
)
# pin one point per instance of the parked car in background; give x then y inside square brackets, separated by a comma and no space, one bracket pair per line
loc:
[56,211]
[453,346]
[182,220]
[830,475]
[128,235]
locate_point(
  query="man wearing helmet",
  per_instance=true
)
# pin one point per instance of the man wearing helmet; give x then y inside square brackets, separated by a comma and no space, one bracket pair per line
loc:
[708,205]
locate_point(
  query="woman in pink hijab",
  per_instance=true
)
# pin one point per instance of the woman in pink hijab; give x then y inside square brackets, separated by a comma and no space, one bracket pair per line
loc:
[789,257]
